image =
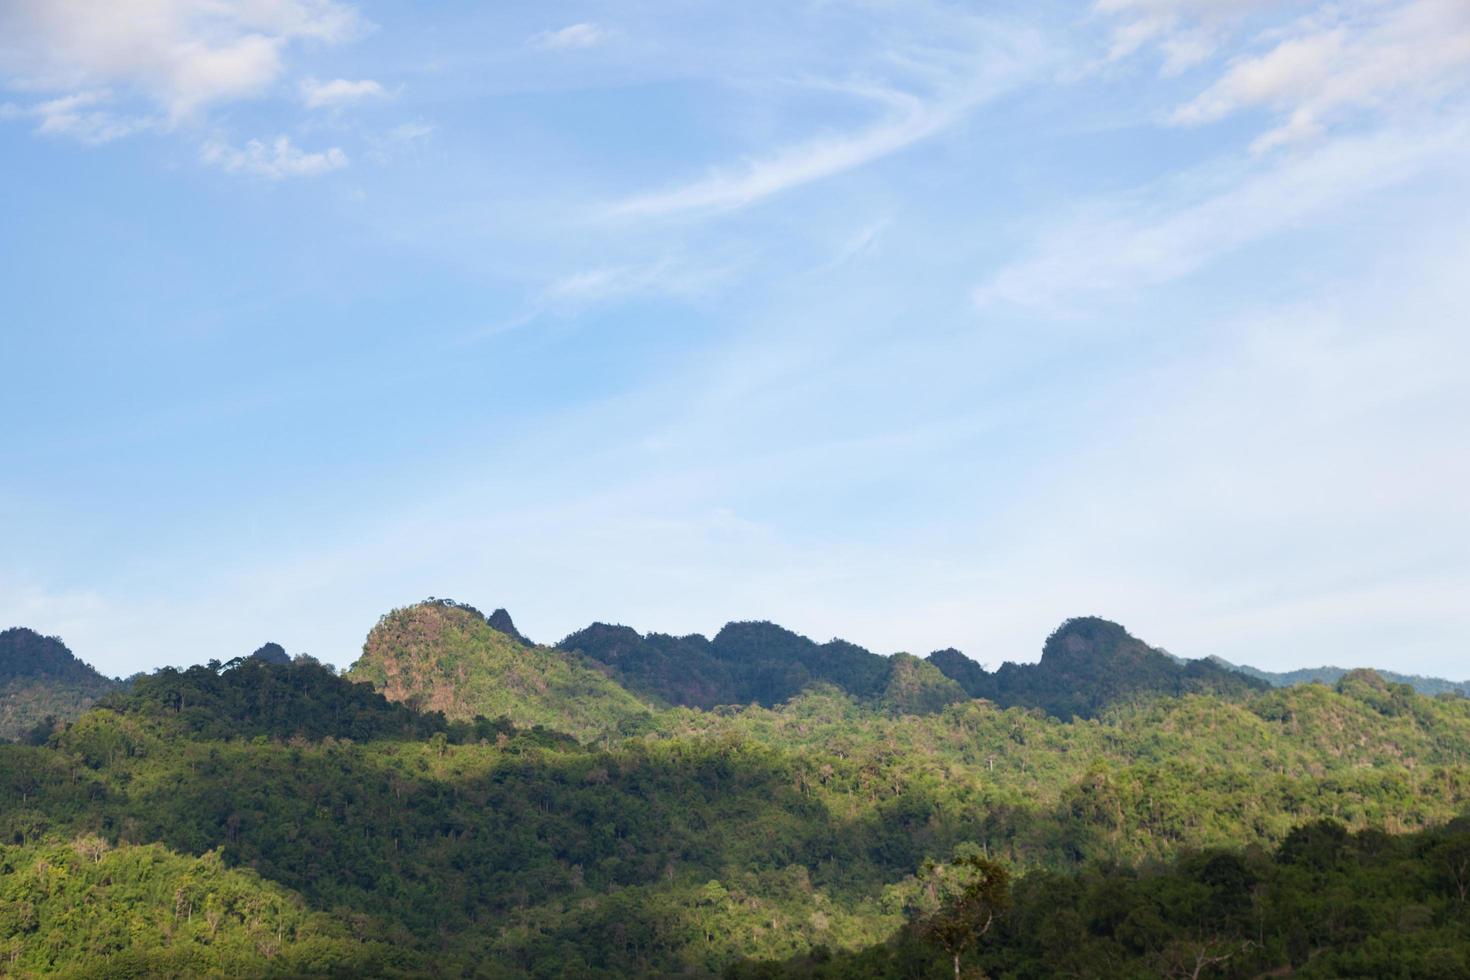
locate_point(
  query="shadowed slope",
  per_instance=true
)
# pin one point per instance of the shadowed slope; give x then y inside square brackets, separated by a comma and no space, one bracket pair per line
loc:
[40,678]
[1087,665]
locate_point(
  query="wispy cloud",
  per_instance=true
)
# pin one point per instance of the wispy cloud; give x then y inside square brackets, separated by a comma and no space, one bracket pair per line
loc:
[1341,61]
[338,92]
[83,116]
[793,166]
[1186,32]
[608,283]
[1328,63]
[1119,247]
[276,160]
[570,38]
[864,240]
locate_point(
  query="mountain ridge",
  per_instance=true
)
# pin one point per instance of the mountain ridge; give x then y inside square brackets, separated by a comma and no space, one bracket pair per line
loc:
[1330,675]
[41,678]
[445,656]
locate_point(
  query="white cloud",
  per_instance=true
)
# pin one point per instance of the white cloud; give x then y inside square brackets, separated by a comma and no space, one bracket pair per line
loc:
[570,38]
[795,165]
[337,92]
[1186,32]
[410,132]
[178,55]
[82,116]
[922,87]
[275,160]
[1374,58]
[1317,69]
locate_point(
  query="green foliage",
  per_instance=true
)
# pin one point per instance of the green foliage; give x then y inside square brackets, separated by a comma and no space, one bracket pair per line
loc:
[41,682]
[972,892]
[916,687]
[746,663]
[1331,675]
[263,697]
[1088,665]
[88,908]
[828,832]
[444,657]
[1327,903]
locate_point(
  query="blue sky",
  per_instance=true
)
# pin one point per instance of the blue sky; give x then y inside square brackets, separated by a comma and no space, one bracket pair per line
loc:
[921,324]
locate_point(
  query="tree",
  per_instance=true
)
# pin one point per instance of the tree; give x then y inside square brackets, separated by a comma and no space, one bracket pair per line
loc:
[978,889]
[1454,859]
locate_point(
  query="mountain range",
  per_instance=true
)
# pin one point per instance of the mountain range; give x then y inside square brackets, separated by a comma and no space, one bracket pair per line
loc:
[446,656]
[464,801]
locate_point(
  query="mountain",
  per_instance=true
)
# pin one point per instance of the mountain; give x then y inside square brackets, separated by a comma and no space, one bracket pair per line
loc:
[272,653]
[39,679]
[440,655]
[259,818]
[748,663]
[1331,675]
[500,620]
[917,687]
[1088,664]
[265,697]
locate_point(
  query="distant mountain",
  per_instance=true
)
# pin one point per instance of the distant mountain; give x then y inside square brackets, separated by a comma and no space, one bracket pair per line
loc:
[1331,675]
[272,653]
[917,687]
[265,696]
[440,655]
[1087,665]
[756,663]
[41,678]
[500,620]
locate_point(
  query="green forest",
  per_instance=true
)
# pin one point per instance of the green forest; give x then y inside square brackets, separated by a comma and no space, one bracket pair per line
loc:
[466,803]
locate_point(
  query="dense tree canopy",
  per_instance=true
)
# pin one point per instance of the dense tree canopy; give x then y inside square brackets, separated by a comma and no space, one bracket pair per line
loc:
[310,825]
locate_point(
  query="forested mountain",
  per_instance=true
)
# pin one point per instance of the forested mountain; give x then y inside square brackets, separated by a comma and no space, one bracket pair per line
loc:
[746,663]
[1087,665]
[442,656]
[1324,903]
[1331,675]
[273,818]
[41,679]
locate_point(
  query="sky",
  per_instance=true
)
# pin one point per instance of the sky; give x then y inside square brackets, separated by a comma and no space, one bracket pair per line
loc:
[920,324]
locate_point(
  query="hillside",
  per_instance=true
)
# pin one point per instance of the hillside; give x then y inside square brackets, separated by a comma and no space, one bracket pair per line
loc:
[1331,675]
[746,663]
[445,657]
[39,679]
[757,833]
[317,825]
[1087,665]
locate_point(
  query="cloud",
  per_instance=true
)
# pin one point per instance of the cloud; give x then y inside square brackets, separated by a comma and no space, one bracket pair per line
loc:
[1327,67]
[276,160]
[338,92]
[921,87]
[177,55]
[793,166]
[82,116]
[1320,68]
[1186,32]
[571,38]
[1119,247]
[609,283]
